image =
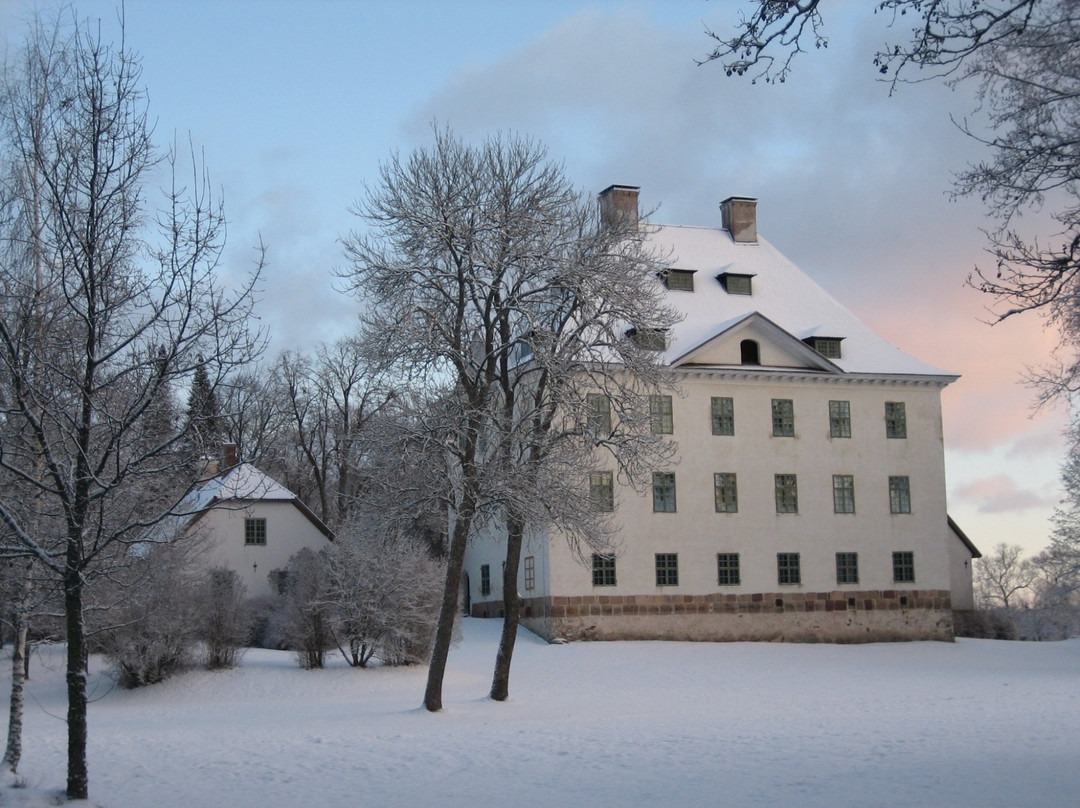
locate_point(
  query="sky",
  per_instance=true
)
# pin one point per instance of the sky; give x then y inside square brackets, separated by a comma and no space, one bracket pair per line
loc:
[293,105]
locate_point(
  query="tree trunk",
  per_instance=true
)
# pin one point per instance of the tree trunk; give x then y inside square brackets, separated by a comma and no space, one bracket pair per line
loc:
[448,612]
[500,683]
[77,776]
[19,659]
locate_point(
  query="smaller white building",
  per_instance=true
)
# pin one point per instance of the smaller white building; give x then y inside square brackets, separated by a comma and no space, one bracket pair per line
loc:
[250,523]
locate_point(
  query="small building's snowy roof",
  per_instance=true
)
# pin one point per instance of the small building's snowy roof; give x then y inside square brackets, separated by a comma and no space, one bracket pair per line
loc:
[245,483]
[782,293]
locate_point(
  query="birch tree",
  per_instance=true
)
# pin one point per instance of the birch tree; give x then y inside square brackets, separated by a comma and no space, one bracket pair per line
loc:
[479,260]
[106,299]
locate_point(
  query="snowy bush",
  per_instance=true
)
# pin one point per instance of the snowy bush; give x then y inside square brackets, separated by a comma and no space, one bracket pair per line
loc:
[305,611]
[384,594]
[224,620]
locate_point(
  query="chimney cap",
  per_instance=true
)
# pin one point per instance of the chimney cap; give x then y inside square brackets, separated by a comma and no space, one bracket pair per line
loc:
[618,186]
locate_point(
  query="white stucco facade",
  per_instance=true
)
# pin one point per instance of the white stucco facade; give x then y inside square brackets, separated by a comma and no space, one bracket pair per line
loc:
[249,523]
[863,460]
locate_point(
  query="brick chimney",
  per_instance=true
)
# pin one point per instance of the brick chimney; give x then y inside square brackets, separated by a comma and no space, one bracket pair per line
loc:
[228,456]
[619,203]
[739,217]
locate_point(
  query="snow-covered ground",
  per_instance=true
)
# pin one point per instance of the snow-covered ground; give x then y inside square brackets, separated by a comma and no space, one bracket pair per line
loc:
[977,722]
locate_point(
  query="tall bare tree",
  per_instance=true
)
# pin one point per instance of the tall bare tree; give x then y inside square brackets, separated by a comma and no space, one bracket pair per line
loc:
[105,301]
[1001,575]
[483,261]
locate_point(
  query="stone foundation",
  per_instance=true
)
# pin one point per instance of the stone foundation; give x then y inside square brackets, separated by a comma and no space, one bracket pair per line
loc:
[862,616]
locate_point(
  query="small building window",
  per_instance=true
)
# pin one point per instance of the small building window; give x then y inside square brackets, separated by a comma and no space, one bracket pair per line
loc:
[783,418]
[667,569]
[727,569]
[599,414]
[255,531]
[663,492]
[723,415]
[847,568]
[843,493]
[485,579]
[787,494]
[749,354]
[603,570]
[602,491]
[903,567]
[899,495]
[679,280]
[735,283]
[651,339]
[530,573]
[829,347]
[895,419]
[726,493]
[840,419]
[787,568]
[660,415]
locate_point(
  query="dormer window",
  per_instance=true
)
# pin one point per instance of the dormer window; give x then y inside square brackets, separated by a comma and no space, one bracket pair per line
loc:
[678,280]
[829,347]
[735,283]
[651,339]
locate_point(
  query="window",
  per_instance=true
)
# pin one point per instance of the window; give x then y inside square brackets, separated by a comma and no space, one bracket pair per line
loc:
[787,568]
[602,491]
[485,579]
[899,495]
[599,418]
[650,339]
[840,419]
[749,353]
[667,569]
[726,493]
[723,416]
[903,567]
[660,415]
[255,531]
[603,570]
[783,418]
[787,494]
[895,419]
[735,283]
[829,347]
[679,280]
[727,569]
[525,348]
[843,493]
[847,568]
[663,491]
[530,573]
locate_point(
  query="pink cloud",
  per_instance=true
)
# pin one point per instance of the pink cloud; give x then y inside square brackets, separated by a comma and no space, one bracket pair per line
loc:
[999,494]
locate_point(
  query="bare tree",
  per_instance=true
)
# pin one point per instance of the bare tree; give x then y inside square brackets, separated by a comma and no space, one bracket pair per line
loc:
[1002,574]
[471,251]
[944,33]
[104,302]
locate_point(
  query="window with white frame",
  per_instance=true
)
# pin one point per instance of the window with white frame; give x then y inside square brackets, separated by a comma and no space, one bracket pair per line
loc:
[723,415]
[899,495]
[840,419]
[726,492]
[843,493]
[663,487]
[667,569]
[783,418]
[787,493]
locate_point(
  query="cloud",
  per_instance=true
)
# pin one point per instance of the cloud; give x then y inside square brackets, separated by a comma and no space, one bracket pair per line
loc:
[1000,494]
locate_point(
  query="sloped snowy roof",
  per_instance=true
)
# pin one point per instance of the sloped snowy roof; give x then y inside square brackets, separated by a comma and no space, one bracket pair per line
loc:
[782,292]
[244,482]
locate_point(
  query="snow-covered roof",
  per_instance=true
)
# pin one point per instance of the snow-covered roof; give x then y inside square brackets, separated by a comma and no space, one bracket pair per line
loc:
[781,292]
[244,483]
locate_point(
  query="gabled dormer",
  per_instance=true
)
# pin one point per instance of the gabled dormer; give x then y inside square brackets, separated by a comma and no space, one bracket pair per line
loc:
[756,341]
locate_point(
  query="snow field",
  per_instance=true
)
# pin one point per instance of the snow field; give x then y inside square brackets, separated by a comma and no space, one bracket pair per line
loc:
[604,725]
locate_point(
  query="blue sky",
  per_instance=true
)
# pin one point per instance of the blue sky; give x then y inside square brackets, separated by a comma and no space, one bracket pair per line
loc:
[294,104]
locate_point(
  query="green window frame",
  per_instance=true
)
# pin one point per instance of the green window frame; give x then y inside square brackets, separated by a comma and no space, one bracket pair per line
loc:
[667,569]
[895,419]
[660,415]
[726,492]
[723,415]
[727,569]
[847,568]
[783,418]
[664,492]
[840,419]
[903,564]
[603,569]
[843,493]
[787,493]
[255,532]
[599,414]
[899,495]
[602,491]
[788,572]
